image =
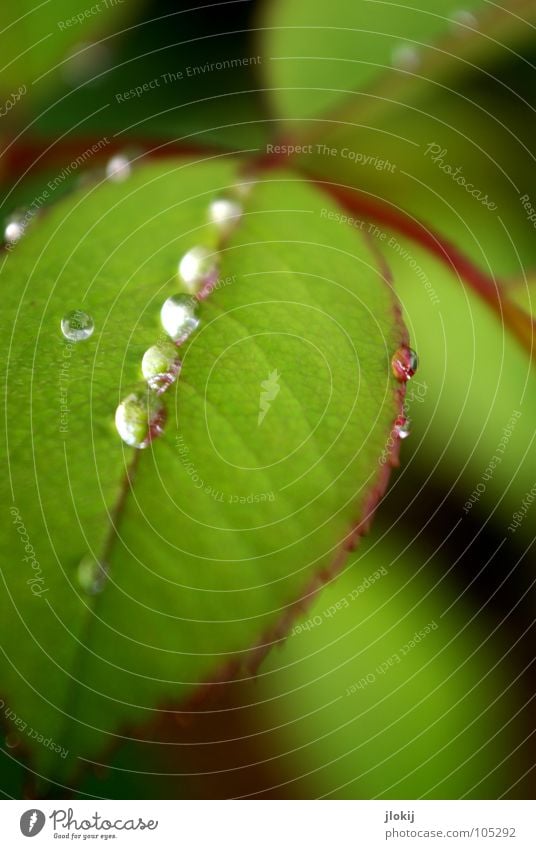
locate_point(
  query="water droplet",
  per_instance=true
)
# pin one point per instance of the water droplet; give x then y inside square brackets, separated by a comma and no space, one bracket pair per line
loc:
[77,326]
[178,317]
[225,214]
[160,366]
[14,229]
[92,574]
[402,427]
[404,363]
[464,21]
[118,168]
[405,58]
[243,190]
[85,61]
[140,418]
[198,270]
[12,740]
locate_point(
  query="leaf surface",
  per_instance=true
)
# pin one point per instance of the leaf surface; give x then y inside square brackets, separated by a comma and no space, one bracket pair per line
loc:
[225,522]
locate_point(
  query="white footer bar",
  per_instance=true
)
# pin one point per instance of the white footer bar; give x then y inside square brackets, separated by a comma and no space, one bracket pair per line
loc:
[271,824]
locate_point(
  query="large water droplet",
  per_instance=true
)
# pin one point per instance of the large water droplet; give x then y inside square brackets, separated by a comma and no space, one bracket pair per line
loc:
[160,366]
[14,229]
[402,427]
[77,326]
[118,168]
[92,574]
[405,57]
[198,270]
[178,317]
[140,418]
[225,214]
[404,363]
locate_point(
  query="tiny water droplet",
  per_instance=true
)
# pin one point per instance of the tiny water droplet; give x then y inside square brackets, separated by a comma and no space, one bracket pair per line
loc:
[225,214]
[14,229]
[463,21]
[160,366]
[86,60]
[140,418]
[405,57]
[12,740]
[77,326]
[198,270]
[404,363]
[402,427]
[243,190]
[178,317]
[92,574]
[118,168]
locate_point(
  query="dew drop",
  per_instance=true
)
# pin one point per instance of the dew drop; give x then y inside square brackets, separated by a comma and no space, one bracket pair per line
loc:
[160,366]
[404,363]
[402,427]
[92,574]
[178,317]
[118,168]
[243,190]
[140,418]
[14,229]
[463,21]
[225,214]
[77,326]
[405,58]
[198,270]
[85,62]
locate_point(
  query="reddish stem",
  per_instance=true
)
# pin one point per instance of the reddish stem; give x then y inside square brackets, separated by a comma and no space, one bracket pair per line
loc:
[22,157]
[514,317]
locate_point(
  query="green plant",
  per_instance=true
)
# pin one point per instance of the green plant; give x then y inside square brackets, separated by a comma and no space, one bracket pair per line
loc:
[146,576]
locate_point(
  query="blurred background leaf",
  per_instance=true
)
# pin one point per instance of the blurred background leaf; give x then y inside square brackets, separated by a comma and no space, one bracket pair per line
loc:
[387,84]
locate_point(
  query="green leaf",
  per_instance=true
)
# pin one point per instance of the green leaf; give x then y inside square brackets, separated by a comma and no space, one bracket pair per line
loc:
[390,687]
[474,425]
[225,521]
[43,42]
[458,163]
[321,53]
[454,154]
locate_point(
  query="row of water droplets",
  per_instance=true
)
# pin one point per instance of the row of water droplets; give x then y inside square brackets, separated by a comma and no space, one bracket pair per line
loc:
[404,364]
[140,417]
[407,57]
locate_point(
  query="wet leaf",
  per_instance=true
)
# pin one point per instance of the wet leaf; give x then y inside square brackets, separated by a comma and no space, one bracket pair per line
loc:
[210,534]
